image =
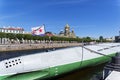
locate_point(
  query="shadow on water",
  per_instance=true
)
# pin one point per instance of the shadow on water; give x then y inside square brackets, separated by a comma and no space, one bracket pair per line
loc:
[89,73]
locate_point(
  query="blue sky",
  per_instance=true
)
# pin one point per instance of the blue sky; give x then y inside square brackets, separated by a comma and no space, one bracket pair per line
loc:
[87,17]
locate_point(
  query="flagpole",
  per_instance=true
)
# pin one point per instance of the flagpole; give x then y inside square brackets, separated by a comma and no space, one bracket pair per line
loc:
[44,27]
[48,36]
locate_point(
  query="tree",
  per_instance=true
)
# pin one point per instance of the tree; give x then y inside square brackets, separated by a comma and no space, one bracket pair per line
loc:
[10,36]
[19,36]
[2,35]
[28,37]
[101,38]
[86,39]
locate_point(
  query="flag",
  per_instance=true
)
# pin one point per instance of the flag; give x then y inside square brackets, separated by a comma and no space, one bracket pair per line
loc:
[40,30]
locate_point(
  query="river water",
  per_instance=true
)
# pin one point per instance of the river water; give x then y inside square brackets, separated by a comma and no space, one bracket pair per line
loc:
[11,54]
[82,74]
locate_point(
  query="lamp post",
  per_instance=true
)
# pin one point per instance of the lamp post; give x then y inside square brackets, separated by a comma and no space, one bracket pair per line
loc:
[49,41]
[119,33]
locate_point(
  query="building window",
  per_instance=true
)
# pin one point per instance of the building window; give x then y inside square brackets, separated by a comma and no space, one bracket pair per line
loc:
[5,31]
[8,31]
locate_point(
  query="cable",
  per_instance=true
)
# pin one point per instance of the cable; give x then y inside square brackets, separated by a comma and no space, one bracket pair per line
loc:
[111,47]
[82,57]
[96,52]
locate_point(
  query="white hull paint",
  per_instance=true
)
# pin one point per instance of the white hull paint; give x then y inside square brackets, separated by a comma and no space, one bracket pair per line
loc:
[114,75]
[45,60]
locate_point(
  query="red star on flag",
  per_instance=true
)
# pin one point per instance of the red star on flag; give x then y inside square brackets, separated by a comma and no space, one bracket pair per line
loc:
[40,30]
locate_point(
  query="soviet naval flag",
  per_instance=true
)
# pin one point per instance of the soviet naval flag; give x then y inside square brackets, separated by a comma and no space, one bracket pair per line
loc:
[40,30]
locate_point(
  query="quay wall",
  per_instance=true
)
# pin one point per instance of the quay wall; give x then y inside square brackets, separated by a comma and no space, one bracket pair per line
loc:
[16,47]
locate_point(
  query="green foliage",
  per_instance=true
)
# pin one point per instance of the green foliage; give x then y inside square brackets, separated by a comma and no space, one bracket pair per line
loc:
[101,38]
[47,38]
[10,36]
[2,35]
[27,37]
[19,36]
[87,39]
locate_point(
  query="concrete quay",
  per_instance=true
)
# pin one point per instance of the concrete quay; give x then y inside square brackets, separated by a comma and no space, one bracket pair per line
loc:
[16,47]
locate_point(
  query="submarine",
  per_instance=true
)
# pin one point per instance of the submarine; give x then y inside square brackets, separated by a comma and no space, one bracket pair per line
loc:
[49,64]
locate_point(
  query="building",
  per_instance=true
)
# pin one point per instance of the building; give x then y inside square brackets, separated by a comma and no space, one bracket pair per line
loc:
[49,34]
[17,30]
[67,32]
[117,38]
[112,39]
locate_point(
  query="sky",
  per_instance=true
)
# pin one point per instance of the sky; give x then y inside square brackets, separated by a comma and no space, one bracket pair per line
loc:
[91,18]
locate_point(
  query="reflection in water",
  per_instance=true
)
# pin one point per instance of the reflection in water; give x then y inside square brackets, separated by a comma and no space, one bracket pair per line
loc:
[89,73]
